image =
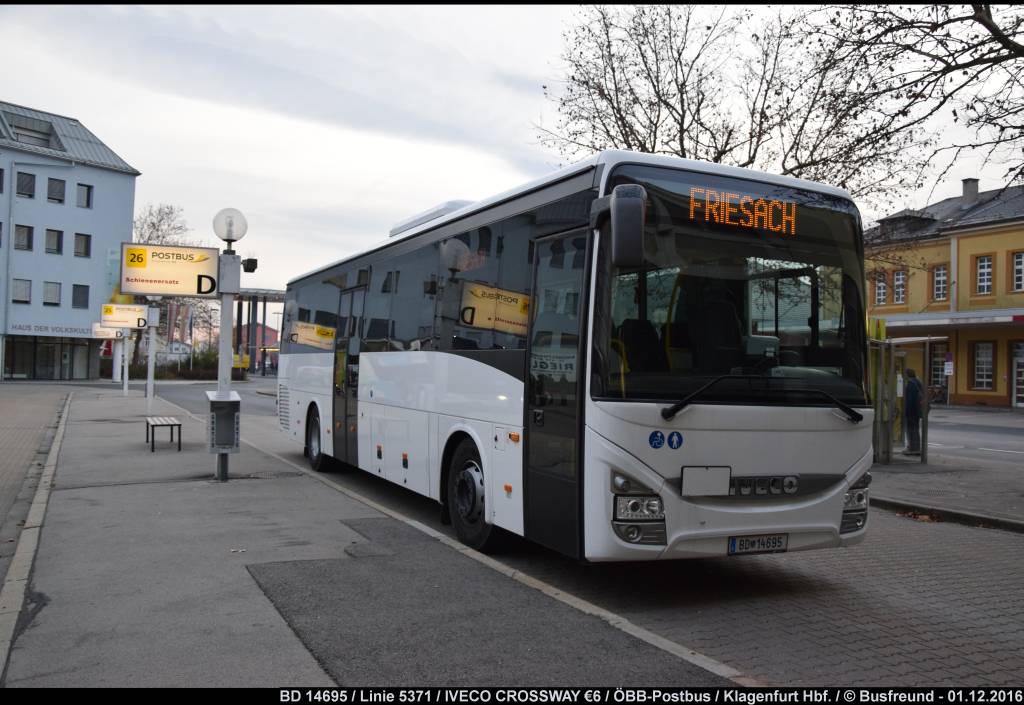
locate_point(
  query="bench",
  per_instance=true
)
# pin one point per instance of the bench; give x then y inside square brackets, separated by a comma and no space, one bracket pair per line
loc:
[152,422]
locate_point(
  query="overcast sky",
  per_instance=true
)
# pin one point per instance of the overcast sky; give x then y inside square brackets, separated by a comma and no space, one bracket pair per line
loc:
[324,125]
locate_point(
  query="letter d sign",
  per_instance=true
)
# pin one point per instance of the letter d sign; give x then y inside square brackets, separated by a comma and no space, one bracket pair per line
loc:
[205,284]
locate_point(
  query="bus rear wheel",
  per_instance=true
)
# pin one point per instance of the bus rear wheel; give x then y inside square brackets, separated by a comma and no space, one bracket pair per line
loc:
[466,498]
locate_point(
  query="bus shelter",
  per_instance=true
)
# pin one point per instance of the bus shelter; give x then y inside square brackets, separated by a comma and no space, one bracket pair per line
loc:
[887,363]
[252,353]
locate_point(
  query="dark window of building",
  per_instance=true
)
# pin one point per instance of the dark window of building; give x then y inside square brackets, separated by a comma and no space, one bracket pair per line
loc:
[23,237]
[83,245]
[80,296]
[54,242]
[26,185]
[984,365]
[51,293]
[1,180]
[84,196]
[21,291]
[55,190]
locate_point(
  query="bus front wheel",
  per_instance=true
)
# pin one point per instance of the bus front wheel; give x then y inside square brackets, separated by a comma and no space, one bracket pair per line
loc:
[466,498]
[315,453]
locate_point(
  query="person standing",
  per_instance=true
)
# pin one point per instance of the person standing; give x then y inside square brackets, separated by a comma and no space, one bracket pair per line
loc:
[913,399]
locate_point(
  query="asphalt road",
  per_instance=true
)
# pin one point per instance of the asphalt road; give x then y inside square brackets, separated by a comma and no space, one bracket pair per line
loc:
[991,436]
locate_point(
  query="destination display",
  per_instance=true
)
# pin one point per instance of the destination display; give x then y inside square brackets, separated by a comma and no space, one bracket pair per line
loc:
[165,270]
[124,316]
[742,211]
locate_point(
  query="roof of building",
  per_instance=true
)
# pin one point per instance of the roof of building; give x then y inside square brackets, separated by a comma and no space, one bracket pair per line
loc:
[56,136]
[992,207]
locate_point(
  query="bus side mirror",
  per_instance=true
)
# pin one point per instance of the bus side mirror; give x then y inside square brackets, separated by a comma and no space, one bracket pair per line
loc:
[628,213]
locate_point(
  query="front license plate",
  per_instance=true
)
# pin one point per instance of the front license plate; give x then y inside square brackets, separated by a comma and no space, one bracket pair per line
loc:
[765,543]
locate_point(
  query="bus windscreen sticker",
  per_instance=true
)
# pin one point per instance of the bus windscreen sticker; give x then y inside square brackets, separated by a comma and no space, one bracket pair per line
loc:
[675,440]
[656,439]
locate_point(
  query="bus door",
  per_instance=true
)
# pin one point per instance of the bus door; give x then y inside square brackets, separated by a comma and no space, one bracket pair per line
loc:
[346,376]
[553,477]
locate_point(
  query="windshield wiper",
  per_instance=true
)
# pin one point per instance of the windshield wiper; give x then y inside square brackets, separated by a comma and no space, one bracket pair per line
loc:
[851,413]
[667,413]
[670,411]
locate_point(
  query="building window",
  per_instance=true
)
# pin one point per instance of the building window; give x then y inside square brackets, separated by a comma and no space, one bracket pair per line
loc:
[899,287]
[54,241]
[55,190]
[1,180]
[983,365]
[1018,271]
[940,283]
[983,275]
[23,237]
[84,196]
[880,289]
[22,291]
[80,296]
[83,245]
[26,185]
[51,293]
[937,367]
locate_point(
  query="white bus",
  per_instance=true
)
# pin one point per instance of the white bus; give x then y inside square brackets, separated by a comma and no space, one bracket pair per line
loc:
[637,357]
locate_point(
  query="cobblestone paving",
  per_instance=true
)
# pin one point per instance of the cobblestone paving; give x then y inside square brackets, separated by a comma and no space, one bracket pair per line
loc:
[27,413]
[915,604]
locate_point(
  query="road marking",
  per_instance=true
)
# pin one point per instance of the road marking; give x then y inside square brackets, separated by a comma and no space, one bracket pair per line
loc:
[685,653]
[1000,450]
[12,594]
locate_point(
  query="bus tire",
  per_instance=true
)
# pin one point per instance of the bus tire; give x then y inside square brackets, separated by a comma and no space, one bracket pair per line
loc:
[466,498]
[317,460]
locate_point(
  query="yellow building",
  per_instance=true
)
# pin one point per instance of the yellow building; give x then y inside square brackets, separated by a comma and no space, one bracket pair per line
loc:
[955,269]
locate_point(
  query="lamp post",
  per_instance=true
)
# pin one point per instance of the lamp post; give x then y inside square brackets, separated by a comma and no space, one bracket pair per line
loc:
[230,226]
[153,319]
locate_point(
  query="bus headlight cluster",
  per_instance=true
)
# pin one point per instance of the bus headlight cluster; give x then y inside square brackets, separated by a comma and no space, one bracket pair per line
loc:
[855,499]
[639,508]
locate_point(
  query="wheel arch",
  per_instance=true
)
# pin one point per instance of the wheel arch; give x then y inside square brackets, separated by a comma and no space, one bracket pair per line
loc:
[456,435]
[314,405]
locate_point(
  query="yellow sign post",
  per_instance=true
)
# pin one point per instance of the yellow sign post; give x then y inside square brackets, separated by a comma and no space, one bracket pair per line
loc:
[165,270]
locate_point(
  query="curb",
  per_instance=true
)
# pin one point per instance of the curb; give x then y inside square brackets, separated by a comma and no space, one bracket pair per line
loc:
[12,595]
[953,515]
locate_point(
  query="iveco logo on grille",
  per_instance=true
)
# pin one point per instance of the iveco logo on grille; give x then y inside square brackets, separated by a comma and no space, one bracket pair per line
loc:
[747,486]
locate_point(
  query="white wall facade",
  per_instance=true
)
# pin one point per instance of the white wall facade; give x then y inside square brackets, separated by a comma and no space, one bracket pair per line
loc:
[108,221]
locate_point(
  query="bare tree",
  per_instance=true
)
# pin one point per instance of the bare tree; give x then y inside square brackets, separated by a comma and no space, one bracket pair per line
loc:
[748,89]
[940,61]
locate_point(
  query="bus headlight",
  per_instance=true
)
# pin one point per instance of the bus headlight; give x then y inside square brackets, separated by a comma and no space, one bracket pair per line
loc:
[639,508]
[855,499]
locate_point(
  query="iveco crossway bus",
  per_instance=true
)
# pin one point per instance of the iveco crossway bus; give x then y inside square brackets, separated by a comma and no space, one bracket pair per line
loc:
[637,357]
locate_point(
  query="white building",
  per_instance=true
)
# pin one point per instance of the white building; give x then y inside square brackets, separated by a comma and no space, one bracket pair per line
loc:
[66,204]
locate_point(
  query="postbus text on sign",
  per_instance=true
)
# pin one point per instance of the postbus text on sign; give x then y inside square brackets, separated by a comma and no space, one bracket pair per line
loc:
[742,211]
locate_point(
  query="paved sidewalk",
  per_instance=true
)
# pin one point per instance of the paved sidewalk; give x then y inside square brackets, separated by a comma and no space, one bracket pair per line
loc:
[27,417]
[148,573]
[983,491]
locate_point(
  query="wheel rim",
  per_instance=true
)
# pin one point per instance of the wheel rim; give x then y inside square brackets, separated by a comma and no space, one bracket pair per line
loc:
[314,437]
[469,492]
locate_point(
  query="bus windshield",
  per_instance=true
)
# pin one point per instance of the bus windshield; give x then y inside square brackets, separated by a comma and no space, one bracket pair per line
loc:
[760,282]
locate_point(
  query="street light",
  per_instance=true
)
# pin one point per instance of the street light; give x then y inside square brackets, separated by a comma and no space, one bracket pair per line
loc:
[230,226]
